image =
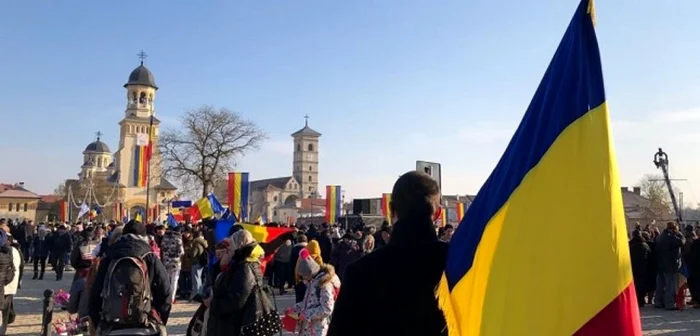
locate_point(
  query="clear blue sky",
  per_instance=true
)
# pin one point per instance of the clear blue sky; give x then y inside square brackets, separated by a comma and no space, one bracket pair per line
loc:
[386,82]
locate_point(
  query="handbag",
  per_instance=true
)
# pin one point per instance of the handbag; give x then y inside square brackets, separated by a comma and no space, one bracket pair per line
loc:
[266,324]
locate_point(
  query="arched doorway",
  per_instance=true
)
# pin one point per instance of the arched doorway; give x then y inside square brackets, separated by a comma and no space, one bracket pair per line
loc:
[137,209]
[291,200]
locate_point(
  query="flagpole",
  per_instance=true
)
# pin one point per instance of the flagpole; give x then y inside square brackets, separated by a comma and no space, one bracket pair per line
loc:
[148,170]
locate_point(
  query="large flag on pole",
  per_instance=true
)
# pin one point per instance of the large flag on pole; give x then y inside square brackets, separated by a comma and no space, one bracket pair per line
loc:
[333,203]
[238,189]
[522,233]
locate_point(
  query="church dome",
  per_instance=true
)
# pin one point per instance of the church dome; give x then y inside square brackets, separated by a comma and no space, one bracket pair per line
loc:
[141,76]
[97,147]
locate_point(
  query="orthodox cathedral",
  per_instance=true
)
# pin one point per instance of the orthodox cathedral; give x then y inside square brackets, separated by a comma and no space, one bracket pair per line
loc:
[124,169]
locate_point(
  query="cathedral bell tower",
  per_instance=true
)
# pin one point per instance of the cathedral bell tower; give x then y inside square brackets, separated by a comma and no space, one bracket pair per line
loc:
[133,137]
[305,164]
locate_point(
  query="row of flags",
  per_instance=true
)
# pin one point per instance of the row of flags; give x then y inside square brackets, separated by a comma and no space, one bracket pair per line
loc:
[511,243]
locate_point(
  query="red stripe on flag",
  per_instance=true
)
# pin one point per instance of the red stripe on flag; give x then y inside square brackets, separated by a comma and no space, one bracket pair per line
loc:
[620,317]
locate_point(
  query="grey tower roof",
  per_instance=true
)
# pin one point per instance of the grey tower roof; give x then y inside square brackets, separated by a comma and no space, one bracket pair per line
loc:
[98,147]
[141,76]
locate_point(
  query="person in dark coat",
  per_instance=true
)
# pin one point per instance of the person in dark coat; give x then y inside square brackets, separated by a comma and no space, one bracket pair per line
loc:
[392,290]
[326,243]
[61,245]
[231,305]
[345,252]
[669,258]
[132,243]
[42,247]
[652,267]
[640,253]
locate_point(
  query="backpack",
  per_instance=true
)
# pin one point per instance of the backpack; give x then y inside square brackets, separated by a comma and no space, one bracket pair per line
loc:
[126,294]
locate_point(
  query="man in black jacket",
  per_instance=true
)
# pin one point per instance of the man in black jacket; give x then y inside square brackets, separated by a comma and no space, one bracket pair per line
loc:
[133,243]
[392,290]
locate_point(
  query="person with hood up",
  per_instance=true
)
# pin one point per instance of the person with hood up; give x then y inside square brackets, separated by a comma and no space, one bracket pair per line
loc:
[132,242]
[172,251]
[237,298]
[314,312]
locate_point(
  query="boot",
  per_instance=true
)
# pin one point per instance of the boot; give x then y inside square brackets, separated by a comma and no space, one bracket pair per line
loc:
[35,276]
[41,276]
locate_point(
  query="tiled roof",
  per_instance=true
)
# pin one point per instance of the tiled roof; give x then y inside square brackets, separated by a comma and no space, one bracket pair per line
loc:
[306,131]
[50,198]
[310,203]
[165,185]
[14,191]
[277,182]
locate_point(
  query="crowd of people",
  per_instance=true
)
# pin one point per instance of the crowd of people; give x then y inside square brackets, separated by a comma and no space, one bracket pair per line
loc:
[662,261]
[129,275]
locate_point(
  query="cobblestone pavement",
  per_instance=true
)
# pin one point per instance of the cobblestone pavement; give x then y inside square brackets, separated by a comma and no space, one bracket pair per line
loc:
[28,304]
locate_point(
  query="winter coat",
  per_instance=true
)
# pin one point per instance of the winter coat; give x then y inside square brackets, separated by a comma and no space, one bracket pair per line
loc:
[373,299]
[81,256]
[61,242]
[196,251]
[639,254]
[294,255]
[326,244]
[130,245]
[343,254]
[78,302]
[284,252]
[230,307]
[318,303]
[18,264]
[668,250]
[172,250]
[7,270]
[42,247]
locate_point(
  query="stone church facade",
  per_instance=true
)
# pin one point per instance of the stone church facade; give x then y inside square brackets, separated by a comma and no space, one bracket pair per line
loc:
[119,169]
[279,199]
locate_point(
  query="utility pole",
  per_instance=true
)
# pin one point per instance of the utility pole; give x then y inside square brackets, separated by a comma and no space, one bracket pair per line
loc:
[661,162]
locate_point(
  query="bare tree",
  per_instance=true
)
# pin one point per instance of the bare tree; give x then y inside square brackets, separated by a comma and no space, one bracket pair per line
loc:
[206,146]
[60,190]
[654,189]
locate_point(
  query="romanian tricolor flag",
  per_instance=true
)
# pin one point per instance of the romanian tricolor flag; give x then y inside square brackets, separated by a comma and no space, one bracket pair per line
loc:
[238,186]
[140,166]
[496,260]
[386,208]
[155,212]
[117,213]
[459,208]
[151,137]
[264,234]
[333,203]
[63,211]
[201,209]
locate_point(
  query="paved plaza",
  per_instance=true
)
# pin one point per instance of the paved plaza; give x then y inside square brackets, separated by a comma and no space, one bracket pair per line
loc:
[28,305]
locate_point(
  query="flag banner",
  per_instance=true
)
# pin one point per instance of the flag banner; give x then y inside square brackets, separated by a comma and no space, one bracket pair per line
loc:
[141,139]
[238,186]
[459,209]
[140,166]
[117,211]
[215,204]
[155,213]
[181,204]
[497,259]
[84,209]
[63,211]
[201,209]
[333,203]
[386,209]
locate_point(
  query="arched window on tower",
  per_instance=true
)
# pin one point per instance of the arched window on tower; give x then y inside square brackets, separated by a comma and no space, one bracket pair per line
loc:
[310,178]
[142,98]
[9,207]
[133,97]
[311,168]
[298,148]
[311,147]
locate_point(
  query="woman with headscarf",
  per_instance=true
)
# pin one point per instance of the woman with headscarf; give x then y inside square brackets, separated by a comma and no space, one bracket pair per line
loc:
[237,298]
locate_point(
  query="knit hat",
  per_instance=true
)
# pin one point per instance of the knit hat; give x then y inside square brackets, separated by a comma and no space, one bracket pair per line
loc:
[135,227]
[315,251]
[306,266]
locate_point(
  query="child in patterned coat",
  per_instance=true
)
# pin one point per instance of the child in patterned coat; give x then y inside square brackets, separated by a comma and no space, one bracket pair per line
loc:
[315,310]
